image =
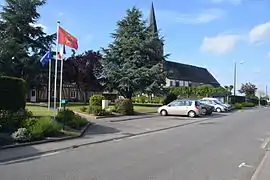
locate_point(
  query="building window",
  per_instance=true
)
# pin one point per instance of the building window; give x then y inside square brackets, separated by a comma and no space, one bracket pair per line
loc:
[33,93]
[171,83]
[176,83]
[181,83]
[73,94]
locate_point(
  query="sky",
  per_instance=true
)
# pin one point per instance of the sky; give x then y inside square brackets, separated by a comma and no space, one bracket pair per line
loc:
[210,33]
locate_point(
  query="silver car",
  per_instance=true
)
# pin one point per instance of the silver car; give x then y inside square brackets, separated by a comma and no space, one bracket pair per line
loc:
[190,108]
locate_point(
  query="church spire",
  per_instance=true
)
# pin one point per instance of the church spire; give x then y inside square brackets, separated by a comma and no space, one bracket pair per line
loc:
[152,20]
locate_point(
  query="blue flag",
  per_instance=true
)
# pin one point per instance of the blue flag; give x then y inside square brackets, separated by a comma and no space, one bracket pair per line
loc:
[46,57]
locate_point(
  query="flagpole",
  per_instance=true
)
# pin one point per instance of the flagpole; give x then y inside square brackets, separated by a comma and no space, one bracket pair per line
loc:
[61,78]
[55,73]
[49,84]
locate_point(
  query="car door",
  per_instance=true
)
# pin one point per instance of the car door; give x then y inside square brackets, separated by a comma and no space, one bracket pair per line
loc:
[176,108]
[187,106]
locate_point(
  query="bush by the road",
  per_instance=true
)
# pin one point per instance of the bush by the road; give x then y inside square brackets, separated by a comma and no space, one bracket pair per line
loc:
[12,120]
[124,106]
[248,104]
[238,106]
[96,100]
[21,135]
[70,119]
[12,93]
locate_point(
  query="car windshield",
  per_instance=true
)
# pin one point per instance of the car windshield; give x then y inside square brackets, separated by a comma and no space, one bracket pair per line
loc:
[218,102]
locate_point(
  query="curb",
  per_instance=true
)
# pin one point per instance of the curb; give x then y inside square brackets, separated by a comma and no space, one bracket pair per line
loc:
[101,141]
[135,118]
[48,140]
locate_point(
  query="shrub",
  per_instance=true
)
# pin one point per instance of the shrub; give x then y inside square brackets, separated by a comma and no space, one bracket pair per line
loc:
[12,120]
[70,119]
[21,135]
[124,106]
[248,104]
[238,106]
[142,99]
[83,109]
[111,109]
[169,98]
[96,100]
[12,93]
[97,111]
[49,127]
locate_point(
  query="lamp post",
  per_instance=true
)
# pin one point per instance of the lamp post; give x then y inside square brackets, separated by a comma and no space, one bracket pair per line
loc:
[235,76]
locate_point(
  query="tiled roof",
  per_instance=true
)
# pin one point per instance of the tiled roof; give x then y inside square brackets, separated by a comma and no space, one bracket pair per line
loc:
[179,71]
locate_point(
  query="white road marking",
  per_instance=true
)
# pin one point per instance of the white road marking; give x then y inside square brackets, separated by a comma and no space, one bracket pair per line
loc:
[243,164]
[116,140]
[29,158]
[265,143]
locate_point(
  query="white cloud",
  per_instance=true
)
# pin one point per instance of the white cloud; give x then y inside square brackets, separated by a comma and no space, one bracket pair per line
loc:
[260,33]
[61,14]
[219,44]
[191,18]
[234,2]
[45,28]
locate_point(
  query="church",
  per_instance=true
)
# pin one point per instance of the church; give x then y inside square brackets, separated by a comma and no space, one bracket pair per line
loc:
[181,74]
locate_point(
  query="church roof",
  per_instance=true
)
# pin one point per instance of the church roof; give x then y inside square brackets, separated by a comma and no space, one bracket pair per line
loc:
[152,20]
[179,71]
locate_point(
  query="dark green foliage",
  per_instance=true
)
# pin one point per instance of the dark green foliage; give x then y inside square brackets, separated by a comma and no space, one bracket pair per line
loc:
[124,106]
[133,62]
[236,99]
[169,98]
[42,127]
[22,41]
[83,109]
[97,111]
[12,120]
[12,93]
[70,119]
[248,104]
[238,106]
[96,100]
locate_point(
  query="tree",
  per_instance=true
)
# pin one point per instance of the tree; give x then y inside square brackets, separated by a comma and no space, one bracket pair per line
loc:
[205,90]
[132,62]
[22,42]
[248,89]
[85,70]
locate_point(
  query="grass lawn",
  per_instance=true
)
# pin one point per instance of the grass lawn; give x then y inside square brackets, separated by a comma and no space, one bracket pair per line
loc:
[40,111]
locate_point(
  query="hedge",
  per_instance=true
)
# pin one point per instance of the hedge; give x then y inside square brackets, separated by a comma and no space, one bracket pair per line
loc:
[12,93]
[96,100]
[124,106]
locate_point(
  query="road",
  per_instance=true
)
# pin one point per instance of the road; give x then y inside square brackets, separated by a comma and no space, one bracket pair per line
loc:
[225,148]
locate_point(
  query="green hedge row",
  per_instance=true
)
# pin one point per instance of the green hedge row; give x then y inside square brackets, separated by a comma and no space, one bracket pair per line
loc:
[12,93]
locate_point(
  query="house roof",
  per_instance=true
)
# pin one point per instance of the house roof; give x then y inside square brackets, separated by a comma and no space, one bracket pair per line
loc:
[179,71]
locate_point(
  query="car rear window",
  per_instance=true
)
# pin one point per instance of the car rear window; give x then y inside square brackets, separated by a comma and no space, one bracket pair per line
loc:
[197,103]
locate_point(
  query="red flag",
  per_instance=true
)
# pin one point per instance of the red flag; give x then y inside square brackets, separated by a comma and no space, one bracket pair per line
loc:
[67,39]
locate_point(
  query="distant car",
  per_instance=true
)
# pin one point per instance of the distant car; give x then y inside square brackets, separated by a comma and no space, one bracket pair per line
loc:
[206,108]
[216,100]
[219,107]
[191,108]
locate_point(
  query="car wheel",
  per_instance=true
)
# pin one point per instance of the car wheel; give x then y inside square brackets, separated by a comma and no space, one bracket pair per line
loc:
[218,110]
[163,112]
[209,113]
[191,114]
[204,111]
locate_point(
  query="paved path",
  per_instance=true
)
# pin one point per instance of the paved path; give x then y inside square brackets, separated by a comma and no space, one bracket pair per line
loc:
[225,148]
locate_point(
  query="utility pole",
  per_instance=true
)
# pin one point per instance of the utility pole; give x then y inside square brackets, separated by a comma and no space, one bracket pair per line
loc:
[234,81]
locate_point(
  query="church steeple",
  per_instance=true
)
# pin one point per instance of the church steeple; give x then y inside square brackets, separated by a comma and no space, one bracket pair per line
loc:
[152,20]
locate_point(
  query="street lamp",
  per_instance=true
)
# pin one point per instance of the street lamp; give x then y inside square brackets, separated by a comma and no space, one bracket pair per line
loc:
[235,74]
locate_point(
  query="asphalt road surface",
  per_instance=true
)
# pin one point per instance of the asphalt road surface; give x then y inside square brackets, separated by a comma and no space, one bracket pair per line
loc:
[225,148]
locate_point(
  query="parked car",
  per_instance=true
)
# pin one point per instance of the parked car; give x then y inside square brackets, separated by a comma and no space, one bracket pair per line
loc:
[206,108]
[191,108]
[219,107]
[228,106]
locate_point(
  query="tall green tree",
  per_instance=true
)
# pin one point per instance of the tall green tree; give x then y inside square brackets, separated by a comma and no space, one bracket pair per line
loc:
[132,62]
[22,41]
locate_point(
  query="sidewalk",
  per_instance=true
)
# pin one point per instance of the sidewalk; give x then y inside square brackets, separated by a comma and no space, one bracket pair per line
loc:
[101,131]
[263,170]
